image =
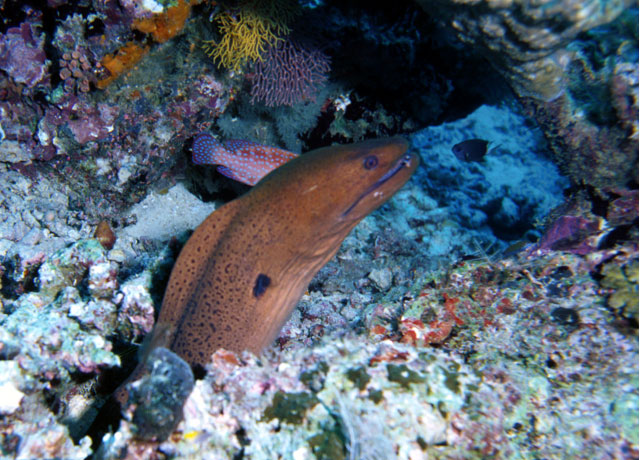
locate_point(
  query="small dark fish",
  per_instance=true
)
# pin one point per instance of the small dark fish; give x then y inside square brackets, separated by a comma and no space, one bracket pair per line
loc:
[470,150]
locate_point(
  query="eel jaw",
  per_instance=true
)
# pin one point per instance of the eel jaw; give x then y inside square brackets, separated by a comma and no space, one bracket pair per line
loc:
[404,162]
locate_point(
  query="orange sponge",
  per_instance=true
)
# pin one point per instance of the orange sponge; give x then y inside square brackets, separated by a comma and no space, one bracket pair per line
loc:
[165,25]
[120,62]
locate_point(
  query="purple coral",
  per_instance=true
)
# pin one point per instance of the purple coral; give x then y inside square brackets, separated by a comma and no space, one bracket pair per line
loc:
[288,74]
[93,122]
[571,234]
[22,55]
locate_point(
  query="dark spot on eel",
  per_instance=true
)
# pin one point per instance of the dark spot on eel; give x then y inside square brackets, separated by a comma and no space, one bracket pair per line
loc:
[262,283]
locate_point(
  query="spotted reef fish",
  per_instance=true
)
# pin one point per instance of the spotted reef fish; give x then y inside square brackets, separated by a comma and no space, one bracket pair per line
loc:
[244,161]
[470,150]
[244,269]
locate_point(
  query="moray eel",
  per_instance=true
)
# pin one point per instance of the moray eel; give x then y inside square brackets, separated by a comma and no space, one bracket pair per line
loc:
[244,269]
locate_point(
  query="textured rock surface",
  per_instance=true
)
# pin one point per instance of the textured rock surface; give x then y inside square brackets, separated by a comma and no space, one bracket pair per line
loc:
[526,40]
[579,81]
[161,217]
[156,400]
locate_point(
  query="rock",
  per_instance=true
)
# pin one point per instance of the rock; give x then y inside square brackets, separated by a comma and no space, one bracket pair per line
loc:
[382,278]
[158,397]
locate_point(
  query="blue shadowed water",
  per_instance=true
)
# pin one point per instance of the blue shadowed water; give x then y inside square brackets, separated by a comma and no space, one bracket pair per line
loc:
[515,186]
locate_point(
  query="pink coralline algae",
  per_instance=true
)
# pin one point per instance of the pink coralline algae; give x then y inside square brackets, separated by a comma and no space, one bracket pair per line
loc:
[87,121]
[22,55]
[624,209]
[93,124]
[572,234]
[288,74]
[135,316]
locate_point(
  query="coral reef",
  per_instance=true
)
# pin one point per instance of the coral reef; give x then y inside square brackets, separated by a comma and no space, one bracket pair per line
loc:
[346,397]
[112,141]
[488,310]
[59,330]
[51,335]
[38,229]
[590,155]
[47,439]
[161,26]
[300,408]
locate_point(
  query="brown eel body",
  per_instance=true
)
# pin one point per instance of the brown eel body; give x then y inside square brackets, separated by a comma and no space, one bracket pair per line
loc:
[242,272]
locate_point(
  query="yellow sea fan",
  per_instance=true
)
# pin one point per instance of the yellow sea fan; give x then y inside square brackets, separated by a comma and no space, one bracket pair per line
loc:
[248,29]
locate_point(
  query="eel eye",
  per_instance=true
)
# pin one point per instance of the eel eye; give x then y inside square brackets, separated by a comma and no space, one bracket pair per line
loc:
[370,162]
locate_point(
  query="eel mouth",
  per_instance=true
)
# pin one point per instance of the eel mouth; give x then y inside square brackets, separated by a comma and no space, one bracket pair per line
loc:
[404,162]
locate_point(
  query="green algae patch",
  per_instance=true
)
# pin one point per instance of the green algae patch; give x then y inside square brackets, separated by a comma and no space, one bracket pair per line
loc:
[359,377]
[314,378]
[451,381]
[623,281]
[376,396]
[401,374]
[329,444]
[290,407]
